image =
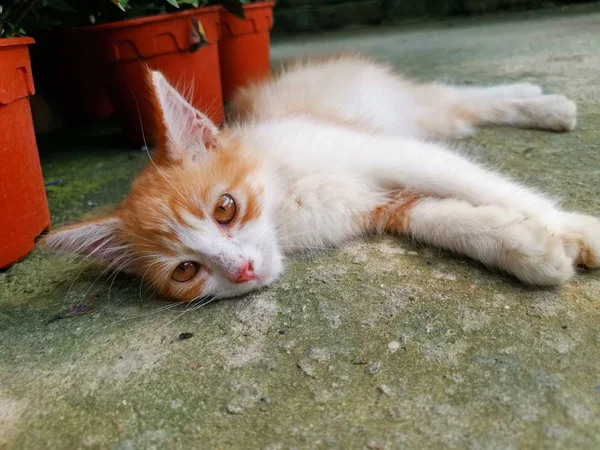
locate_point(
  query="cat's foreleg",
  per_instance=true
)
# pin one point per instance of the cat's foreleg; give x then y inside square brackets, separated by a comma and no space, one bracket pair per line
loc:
[495,236]
[432,170]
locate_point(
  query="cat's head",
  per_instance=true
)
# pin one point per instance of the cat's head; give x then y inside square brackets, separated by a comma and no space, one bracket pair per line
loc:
[198,221]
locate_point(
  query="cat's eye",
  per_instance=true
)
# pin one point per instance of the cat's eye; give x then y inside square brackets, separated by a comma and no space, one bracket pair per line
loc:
[185,271]
[225,209]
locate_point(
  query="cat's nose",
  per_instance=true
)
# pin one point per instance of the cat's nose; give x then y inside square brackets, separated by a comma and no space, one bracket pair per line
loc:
[247,273]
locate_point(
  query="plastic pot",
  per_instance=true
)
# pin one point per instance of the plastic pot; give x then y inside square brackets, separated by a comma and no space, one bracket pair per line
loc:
[169,43]
[244,46]
[24,211]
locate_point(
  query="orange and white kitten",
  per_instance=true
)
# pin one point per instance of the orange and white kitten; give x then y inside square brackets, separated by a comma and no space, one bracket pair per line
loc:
[325,152]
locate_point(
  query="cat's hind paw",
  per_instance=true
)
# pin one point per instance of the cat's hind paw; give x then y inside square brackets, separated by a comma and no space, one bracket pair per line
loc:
[553,112]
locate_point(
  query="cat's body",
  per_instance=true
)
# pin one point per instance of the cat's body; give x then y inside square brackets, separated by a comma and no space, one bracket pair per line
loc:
[328,151]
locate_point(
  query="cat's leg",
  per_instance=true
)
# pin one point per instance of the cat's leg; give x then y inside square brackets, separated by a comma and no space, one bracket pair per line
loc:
[432,170]
[495,236]
[447,112]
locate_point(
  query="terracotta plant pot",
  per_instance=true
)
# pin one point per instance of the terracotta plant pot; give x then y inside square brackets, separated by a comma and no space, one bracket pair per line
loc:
[23,206]
[244,46]
[66,69]
[169,43]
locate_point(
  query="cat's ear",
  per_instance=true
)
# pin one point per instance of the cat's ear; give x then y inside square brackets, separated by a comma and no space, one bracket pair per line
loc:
[187,130]
[97,238]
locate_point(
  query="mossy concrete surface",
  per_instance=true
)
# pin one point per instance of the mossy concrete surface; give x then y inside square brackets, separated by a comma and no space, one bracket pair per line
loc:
[380,345]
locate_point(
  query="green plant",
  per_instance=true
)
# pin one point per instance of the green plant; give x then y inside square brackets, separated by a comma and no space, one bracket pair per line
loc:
[102,11]
[21,15]
[17,15]
[138,8]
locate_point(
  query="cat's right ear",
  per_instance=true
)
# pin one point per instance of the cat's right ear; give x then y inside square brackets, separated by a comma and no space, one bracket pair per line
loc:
[97,238]
[187,132]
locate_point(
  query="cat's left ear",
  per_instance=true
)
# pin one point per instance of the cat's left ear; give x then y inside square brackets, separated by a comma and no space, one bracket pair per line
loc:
[187,130]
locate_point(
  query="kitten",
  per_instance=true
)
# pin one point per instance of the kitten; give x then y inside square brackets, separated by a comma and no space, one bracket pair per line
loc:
[327,151]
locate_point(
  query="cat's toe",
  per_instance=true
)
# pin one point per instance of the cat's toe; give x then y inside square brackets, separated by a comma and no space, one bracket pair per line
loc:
[549,267]
[581,239]
[536,256]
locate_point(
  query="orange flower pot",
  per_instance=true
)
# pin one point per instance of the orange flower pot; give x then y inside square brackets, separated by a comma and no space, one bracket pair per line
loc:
[244,46]
[24,211]
[169,43]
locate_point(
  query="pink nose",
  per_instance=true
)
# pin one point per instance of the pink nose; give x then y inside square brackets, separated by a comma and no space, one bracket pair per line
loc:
[247,273]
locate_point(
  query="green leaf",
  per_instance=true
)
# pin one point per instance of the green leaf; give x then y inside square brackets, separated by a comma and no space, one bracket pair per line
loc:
[121,3]
[173,3]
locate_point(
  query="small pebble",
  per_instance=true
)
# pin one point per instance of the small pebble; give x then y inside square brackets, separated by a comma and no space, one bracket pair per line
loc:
[386,390]
[234,409]
[374,368]
[393,346]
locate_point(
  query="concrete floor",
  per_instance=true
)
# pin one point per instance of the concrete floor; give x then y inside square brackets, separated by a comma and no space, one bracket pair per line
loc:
[380,345]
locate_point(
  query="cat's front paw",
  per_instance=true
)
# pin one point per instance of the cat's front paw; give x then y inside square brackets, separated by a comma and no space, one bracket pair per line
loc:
[535,255]
[581,239]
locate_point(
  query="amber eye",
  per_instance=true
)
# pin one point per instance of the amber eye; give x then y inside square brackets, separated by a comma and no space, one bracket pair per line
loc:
[185,271]
[225,209]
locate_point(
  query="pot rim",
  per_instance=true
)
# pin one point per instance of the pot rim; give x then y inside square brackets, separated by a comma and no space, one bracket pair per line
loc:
[9,42]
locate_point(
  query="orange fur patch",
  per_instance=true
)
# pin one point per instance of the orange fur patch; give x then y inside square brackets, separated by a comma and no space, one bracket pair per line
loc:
[253,209]
[393,216]
[586,256]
